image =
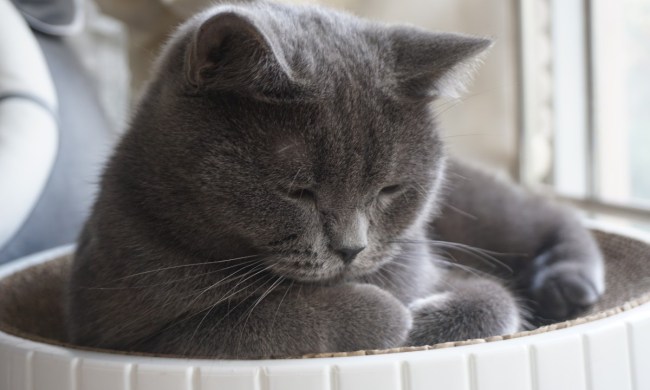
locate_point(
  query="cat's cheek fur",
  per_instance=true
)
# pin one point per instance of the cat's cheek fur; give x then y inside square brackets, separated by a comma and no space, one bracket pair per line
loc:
[475,308]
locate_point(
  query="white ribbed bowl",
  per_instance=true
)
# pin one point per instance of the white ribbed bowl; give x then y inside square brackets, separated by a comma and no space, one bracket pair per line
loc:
[611,353]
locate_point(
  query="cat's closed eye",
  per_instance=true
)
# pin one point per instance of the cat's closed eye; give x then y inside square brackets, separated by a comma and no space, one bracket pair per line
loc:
[301,194]
[390,190]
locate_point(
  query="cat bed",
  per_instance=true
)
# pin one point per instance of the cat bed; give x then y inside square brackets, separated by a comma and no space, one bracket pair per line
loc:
[607,348]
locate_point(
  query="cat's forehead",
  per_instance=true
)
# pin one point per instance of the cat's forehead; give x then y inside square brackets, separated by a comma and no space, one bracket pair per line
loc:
[346,145]
[343,49]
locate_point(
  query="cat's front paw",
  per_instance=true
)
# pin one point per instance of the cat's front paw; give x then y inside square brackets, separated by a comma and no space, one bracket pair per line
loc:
[478,308]
[564,289]
[363,316]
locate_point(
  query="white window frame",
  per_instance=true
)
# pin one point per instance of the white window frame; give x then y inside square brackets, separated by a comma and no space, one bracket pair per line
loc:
[558,73]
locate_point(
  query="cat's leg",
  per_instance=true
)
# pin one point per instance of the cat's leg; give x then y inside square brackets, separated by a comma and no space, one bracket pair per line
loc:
[300,320]
[554,259]
[472,308]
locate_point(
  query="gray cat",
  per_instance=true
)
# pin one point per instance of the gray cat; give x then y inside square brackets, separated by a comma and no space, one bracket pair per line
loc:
[283,189]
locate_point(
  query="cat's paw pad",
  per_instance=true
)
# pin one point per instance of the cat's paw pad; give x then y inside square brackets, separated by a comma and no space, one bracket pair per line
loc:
[562,290]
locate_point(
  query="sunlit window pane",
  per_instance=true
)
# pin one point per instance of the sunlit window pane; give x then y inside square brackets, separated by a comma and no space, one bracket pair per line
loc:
[621,38]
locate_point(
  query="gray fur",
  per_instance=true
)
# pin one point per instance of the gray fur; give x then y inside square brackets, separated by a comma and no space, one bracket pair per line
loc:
[273,143]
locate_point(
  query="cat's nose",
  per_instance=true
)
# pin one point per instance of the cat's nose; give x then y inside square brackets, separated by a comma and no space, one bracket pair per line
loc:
[348,254]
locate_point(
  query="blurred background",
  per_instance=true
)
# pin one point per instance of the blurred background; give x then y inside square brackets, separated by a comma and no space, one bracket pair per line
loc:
[559,104]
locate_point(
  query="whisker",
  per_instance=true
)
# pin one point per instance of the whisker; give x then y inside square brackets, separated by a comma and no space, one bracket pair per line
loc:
[465,268]
[438,259]
[481,254]
[455,263]
[293,180]
[173,300]
[229,296]
[432,241]
[420,189]
[385,279]
[249,311]
[211,307]
[462,212]
[224,280]
[280,304]
[184,266]
[266,293]
[169,281]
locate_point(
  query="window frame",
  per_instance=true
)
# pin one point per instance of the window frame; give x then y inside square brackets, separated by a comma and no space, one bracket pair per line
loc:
[573,99]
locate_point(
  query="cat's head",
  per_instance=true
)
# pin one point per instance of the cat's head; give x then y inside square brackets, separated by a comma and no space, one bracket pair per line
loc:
[299,134]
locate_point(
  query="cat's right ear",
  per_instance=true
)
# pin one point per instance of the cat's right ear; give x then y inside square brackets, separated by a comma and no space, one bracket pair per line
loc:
[231,52]
[430,65]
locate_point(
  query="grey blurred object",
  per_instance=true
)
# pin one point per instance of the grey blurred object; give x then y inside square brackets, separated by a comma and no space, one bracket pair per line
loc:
[85,140]
[54,17]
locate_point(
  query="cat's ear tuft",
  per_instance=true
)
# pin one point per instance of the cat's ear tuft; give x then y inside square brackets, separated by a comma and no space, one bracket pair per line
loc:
[431,65]
[232,52]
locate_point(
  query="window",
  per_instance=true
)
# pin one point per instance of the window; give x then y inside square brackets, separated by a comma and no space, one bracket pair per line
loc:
[585,112]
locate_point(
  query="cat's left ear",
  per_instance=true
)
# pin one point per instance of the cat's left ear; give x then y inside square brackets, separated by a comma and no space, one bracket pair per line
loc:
[430,65]
[231,51]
